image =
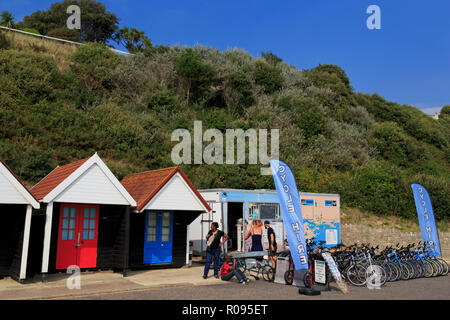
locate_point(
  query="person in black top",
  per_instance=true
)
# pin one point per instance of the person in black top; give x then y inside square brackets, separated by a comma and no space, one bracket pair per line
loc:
[213,248]
[272,243]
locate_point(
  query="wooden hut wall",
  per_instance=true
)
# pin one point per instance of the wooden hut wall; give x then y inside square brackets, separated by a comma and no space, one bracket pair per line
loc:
[11,237]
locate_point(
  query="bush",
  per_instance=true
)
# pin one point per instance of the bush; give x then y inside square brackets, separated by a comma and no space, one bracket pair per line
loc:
[30,163]
[267,76]
[239,95]
[119,127]
[162,99]
[271,58]
[93,67]
[196,76]
[373,189]
[445,111]
[395,145]
[96,53]
[31,30]
[412,120]
[64,33]
[330,76]
[34,74]
[5,43]
[307,115]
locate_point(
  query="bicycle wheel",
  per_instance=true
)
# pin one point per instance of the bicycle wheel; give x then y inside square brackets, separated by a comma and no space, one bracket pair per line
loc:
[289,277]
[268,273]
[435,268]
[444,266]
[440,267]
[387,269]
[395,271]
[428,268]
[417,268]
[404,272]
[307,280]
[384,265]
[356,274]
[420,268]
[410,269]
[375,275]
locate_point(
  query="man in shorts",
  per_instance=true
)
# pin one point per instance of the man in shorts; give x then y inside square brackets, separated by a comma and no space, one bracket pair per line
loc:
[272,243]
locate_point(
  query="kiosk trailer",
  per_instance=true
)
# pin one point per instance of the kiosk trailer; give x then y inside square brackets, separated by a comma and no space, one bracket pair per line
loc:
[235,209]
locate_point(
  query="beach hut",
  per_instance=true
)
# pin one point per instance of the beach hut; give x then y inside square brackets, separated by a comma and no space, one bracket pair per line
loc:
[167,202]
[16,204]
[86,220]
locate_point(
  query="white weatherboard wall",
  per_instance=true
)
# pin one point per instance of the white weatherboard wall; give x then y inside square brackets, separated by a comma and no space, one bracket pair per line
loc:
[175,195]
[93,187]
[8,193]
[199,228]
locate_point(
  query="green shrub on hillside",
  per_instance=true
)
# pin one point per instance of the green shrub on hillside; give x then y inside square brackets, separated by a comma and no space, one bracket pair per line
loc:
[394,145]
[412,120]
[374,189]
[307,114]
[34,74]
[31,30]
[162,99]
[92,73]
[331,76]
[30,163]
[5,43]
[196,76]
[64,33]
[239,95]
[268,76]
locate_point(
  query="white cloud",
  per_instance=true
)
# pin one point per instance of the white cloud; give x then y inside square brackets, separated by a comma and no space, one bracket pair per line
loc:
[431,110]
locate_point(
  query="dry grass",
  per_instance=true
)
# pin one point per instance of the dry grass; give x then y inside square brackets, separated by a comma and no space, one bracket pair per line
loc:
[352,215]
[57,50]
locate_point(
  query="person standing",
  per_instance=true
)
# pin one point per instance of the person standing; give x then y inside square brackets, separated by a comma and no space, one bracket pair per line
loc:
[256,232]
[213,249]
[271,237]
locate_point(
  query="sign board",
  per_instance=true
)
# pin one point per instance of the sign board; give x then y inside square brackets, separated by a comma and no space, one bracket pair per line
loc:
[319,272]
[331,236]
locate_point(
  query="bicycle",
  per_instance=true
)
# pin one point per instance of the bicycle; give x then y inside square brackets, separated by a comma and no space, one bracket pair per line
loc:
[254,268]
[314,253]
[433,258]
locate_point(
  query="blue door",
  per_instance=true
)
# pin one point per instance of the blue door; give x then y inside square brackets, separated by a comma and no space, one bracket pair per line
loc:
[158,237]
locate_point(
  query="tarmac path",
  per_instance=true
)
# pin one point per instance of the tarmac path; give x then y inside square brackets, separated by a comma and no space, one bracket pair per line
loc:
[417,289]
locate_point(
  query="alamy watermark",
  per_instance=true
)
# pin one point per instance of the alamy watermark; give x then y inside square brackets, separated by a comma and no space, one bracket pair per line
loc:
[213,153]
[374,276]
[374,20]
[74,281]
[74,21]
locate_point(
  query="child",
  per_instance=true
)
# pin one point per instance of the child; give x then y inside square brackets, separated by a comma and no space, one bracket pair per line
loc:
[227,272]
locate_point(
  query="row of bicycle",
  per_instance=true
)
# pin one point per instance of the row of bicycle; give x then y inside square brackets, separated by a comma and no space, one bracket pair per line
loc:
[360,263]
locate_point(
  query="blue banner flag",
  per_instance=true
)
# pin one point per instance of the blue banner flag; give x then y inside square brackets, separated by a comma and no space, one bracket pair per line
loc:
[426,218]
[291,212]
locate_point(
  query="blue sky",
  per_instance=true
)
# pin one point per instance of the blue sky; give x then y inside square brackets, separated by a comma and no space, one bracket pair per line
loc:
[407,61]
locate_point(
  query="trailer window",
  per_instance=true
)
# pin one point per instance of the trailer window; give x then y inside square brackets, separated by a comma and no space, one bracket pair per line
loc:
[268,212]
[264,211]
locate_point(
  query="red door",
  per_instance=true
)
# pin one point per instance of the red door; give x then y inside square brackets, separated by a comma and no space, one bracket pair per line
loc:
[77,236]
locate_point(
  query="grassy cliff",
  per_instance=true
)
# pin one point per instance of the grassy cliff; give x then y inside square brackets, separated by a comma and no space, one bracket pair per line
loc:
[59,103]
